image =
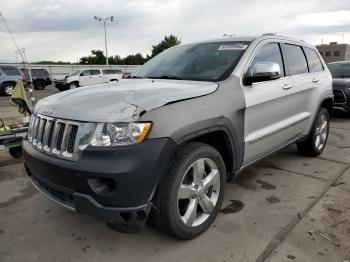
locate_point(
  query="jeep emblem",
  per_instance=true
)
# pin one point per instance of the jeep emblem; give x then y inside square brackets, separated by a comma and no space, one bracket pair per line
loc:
[47,111]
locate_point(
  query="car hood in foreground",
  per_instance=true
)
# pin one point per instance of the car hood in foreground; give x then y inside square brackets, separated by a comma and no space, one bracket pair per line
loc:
[120,101]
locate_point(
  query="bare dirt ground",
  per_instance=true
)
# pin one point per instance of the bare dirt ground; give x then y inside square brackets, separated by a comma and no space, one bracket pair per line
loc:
[286,208]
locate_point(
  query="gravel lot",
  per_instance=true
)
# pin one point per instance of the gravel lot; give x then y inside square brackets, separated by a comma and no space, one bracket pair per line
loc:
[286,208]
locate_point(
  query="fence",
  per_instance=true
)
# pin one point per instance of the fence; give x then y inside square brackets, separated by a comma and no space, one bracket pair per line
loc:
[57,71]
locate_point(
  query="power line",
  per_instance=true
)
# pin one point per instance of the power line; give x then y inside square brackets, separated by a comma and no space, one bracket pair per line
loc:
[21,52]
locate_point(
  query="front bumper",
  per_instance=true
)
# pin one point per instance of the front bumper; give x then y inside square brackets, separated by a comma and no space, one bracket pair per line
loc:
[61,85]
[136,171]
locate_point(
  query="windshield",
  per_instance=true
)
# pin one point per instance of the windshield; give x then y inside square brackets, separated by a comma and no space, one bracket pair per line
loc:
[74,73]
[200,62]
[340,70]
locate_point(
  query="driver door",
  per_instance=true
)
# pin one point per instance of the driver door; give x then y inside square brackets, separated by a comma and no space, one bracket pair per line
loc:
[271,115]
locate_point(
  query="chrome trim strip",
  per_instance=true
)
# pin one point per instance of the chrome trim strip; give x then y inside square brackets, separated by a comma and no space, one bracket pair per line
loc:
[255,140]
[49,196]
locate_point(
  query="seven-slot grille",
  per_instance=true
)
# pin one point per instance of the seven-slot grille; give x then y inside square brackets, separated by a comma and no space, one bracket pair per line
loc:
[54,136]
[339,96]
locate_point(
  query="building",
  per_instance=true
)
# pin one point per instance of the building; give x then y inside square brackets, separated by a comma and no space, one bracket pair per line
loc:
[334,52]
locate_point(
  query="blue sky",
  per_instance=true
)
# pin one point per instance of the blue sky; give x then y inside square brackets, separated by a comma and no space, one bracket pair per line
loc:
[65,29]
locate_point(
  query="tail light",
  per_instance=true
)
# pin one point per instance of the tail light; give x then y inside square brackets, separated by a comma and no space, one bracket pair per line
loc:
[24,78]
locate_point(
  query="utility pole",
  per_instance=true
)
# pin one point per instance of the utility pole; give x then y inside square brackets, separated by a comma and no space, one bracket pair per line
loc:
[21,52]
[104,20]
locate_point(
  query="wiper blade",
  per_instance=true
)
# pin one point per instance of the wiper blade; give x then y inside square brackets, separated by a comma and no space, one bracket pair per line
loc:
[166,77]
[138,77]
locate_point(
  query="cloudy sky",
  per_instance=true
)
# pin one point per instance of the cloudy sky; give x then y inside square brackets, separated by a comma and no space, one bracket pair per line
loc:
[65,29]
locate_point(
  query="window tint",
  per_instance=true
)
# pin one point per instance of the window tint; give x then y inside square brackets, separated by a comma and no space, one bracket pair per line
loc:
[314,61]
[270,53]
[296,60]
[11,71]
[95,72]
[111,71]
[85,73]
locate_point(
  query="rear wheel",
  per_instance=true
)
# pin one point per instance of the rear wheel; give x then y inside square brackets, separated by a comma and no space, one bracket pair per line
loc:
[317,139]
[189,197]
[39,85]
[8,88]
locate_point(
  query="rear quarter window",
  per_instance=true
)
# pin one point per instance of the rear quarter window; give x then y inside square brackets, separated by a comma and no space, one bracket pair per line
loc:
[40,72]
[295,60]
[315,64]
[11,71]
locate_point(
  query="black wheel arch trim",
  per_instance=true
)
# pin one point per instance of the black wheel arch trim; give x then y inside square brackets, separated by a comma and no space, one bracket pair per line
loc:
[200,129]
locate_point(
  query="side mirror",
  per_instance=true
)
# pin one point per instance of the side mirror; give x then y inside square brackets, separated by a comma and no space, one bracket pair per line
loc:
[81,74]
[262,71]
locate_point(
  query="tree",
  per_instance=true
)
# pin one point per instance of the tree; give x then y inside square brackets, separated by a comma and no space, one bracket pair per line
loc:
[167,42]
[97,57]
[136,59]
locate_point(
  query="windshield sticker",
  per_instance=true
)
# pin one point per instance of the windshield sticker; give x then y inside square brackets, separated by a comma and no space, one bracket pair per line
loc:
[236,46]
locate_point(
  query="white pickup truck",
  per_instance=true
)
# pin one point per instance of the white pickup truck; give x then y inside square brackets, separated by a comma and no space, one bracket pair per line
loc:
[87,77]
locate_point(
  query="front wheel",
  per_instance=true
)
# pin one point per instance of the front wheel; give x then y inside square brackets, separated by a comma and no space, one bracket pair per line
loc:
[73,85]
[16,152]
[317,139]
[189,197]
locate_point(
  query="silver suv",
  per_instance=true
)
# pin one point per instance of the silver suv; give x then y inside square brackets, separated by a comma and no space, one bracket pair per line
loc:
[166,140]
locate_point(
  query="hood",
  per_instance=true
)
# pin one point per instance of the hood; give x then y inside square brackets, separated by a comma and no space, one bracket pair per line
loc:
[341,82]
[120,101]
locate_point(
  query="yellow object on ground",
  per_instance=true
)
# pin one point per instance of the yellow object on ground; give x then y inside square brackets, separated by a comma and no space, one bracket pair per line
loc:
[19,98]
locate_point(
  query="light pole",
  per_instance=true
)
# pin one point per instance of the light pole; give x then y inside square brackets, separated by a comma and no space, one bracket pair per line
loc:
[104,20]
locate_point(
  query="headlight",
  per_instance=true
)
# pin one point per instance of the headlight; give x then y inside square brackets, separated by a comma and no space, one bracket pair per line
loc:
[120,134]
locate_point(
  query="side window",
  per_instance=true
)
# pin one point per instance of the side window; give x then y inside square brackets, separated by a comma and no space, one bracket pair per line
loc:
[95,72]
[295,60]
[313,60]
[270,52]
[85,73]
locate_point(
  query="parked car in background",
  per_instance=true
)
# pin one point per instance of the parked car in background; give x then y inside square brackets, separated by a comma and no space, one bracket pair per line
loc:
[168,138]
[341,84]
[41,77]
[8,79]
[87,77]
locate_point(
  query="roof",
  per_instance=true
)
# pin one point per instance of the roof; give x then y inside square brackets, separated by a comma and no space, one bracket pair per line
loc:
[252,38]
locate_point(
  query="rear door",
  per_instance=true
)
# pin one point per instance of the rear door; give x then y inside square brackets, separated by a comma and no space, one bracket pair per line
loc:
[85,78]
[96,77]
[274,109]
[317,80]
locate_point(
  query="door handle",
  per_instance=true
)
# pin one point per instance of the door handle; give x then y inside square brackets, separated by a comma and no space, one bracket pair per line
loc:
[287,86]
[315,80]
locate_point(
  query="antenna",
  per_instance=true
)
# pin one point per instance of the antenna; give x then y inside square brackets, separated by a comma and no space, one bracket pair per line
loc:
[21,52]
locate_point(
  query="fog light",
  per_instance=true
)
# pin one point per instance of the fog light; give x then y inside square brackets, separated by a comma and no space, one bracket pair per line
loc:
[102,186]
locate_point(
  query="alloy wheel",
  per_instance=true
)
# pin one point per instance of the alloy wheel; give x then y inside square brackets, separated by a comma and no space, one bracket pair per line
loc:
[199,192]
[9,90]
[321,132]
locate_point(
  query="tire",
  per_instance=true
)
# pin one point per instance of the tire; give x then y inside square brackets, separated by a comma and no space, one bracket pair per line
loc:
[73,85]
[16,152]
[39,85]
[7,88]
[173,206]
[316,142]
